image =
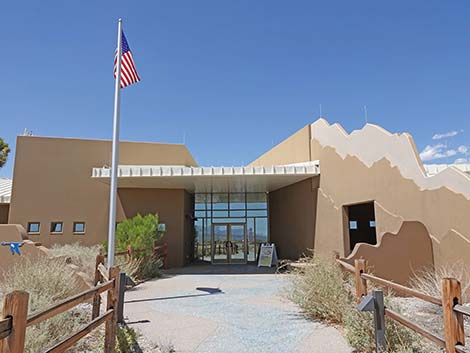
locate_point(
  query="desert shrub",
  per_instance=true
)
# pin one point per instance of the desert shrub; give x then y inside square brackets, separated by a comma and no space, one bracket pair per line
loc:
[319,290]
[150,268]
[81,256]
[130,268]
[139,232]
[360,334]
[429,280]
[141,269]
[47,281]
[322,290]
[126,340]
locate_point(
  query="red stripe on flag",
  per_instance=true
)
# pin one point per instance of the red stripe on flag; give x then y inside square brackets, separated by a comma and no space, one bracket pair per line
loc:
[128,71]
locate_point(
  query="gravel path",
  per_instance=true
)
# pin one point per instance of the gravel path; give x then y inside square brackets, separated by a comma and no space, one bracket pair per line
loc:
[196,310]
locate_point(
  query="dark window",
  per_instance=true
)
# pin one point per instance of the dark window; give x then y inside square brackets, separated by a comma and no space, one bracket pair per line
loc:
[33,227]
[56,227]
[79,227]
[361,221]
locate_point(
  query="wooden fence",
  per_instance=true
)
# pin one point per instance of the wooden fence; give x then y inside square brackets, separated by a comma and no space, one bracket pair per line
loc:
[451,303]
[15,320]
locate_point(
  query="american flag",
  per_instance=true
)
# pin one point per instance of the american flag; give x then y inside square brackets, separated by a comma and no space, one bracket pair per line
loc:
[128,72]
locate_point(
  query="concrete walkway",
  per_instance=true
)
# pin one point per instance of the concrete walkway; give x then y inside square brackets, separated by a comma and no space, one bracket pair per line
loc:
[214,309]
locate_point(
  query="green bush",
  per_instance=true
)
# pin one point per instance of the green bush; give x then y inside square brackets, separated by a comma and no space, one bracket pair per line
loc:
[140,233]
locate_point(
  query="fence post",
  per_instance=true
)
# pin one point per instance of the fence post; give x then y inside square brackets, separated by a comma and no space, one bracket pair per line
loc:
[15,305]
[112,303]
[379,313]
[122,289]
[97,298]
[453,321]
[360,267]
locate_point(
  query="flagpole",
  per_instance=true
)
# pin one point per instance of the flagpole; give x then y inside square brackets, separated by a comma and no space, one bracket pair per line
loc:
[115,155]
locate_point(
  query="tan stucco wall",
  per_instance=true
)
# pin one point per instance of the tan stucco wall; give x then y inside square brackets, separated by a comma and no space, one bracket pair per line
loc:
[52,182]
[292,212]
[4,210]
[170,206]
[399,249]
[372,164]
[188,228]
[294,149]
[347,181]
[16,233]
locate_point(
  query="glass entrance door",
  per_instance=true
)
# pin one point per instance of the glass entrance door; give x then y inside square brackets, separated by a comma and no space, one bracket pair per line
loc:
[219,244]
[238,244]
[229,243]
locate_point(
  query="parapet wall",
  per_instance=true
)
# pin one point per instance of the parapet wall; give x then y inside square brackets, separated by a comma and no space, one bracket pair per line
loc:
[372,164]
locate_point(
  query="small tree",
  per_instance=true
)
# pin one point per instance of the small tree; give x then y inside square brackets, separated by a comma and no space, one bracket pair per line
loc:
[4,151]
[140,233]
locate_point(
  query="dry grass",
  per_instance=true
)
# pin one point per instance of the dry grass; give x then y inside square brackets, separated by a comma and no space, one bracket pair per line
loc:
[47,281]
[81,256]
[323,291]
[140,269]
[319,290]
[429,281]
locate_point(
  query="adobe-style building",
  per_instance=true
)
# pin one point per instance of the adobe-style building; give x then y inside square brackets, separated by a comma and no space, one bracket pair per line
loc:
[364,194]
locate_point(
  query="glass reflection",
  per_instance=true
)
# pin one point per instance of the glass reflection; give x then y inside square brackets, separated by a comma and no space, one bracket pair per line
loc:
[249,209]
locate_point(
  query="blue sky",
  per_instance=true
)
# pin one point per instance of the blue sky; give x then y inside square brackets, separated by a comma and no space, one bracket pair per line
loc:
[235,77]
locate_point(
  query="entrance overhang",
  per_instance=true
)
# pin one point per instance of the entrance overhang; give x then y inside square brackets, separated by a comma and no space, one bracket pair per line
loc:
[210,179]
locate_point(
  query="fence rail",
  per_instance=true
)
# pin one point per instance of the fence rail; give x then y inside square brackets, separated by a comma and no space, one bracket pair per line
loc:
[5,327]
[451,302]
[14,319]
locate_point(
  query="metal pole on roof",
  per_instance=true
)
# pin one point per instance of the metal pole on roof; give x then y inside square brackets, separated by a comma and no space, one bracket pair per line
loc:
[115,148]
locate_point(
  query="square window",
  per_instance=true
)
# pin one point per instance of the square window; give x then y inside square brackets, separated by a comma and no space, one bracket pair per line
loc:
[352,224]
[79,227]
[372,224]
[57,227]
[33,227]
